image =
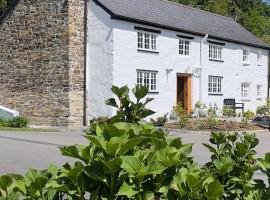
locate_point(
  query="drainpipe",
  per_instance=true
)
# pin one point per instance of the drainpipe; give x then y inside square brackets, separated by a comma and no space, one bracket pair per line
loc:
[201,57]
[85,118]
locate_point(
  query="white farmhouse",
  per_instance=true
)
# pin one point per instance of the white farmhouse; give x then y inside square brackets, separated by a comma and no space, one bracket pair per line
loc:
[180,53]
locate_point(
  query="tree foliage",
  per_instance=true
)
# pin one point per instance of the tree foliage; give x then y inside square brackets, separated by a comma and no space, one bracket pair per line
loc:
[3,5]
[254,15]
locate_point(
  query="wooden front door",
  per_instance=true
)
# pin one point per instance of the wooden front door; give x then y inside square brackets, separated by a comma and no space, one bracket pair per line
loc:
[184,92]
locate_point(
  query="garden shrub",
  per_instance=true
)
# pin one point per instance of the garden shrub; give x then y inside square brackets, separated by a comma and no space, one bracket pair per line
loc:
[262,110]
[228,111]
[17,122]
[200,109]
[183,117]
[212,120]
[160,121]
[247,116]
[131,159]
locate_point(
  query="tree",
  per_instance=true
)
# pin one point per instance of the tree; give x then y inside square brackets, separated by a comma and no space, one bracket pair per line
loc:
[254,15]
[3,5]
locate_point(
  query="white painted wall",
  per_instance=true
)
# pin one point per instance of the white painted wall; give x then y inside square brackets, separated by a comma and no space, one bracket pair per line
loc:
[99,61]
[114,59]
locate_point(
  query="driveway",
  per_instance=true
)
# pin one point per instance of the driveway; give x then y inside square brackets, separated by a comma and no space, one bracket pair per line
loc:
[22,150]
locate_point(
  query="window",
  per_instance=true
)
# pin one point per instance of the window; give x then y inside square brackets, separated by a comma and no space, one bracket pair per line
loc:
[147,41]
[259,58]
[245,90]
[215,52]
[245,56]
[148,79]
[259,91]
[215,85]
[184,47]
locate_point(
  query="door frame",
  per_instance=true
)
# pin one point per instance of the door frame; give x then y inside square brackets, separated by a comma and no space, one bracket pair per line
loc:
[188,87]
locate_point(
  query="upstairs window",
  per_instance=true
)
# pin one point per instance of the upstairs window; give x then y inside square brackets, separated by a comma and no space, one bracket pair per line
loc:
[245,56]
[215,52]
[214,85]
[148,79]
[147,41]
[245,90]
[184,47]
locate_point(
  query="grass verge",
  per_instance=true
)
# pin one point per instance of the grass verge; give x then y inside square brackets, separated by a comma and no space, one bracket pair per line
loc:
[28,129]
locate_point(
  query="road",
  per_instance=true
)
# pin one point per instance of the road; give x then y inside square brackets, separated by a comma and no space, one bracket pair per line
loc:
[22,150]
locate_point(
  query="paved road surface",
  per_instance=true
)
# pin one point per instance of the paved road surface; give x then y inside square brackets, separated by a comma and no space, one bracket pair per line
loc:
[20,150]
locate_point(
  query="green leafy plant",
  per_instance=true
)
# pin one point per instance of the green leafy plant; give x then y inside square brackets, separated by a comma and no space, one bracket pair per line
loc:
[183,117]
[127,110]
[233,163]
[200,109]
[160,121]
[132,159]
[228,111]
[212,120]
[262,110]
[17,122]
[247,116]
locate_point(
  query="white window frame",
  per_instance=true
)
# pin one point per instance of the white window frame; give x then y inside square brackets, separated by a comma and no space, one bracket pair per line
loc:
[259,58]
[259,91]
[147,78]
[147,41]
[245,57]
[245,90]
[184,47]
[215,52]
[215,85]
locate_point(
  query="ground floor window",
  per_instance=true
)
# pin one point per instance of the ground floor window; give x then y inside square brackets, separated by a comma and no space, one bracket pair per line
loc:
[147,78]
[215,85]
[245,90]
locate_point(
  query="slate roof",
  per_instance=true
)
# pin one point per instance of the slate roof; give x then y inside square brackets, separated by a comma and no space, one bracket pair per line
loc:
[165,14]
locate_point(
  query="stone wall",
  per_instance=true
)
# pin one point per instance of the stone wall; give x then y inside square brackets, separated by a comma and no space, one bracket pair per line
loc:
[42,61]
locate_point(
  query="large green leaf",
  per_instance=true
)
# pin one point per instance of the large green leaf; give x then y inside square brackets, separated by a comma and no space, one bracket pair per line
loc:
[215,191]
[5,182]
[127,190]
[131,164]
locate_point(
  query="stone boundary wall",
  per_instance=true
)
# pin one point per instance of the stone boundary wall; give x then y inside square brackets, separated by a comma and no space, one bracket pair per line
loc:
[42,61]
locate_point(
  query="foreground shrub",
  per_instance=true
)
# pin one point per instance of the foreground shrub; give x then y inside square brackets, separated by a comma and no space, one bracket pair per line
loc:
[127,158]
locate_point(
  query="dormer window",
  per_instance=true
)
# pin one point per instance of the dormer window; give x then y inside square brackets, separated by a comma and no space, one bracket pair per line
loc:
[147,41]
[245,56]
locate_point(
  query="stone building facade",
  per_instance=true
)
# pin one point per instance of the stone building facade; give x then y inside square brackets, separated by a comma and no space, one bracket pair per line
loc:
[42,61]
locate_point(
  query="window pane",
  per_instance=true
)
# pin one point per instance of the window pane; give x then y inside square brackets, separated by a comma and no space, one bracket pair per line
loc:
[140,40]
[146,41]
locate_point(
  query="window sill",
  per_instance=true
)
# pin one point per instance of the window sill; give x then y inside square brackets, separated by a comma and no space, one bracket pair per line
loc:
[214,60]
[245,100]
[215,94]
[147,51]
[259,64]
[153,92]
[259,98]
[184,56]
[246,64]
